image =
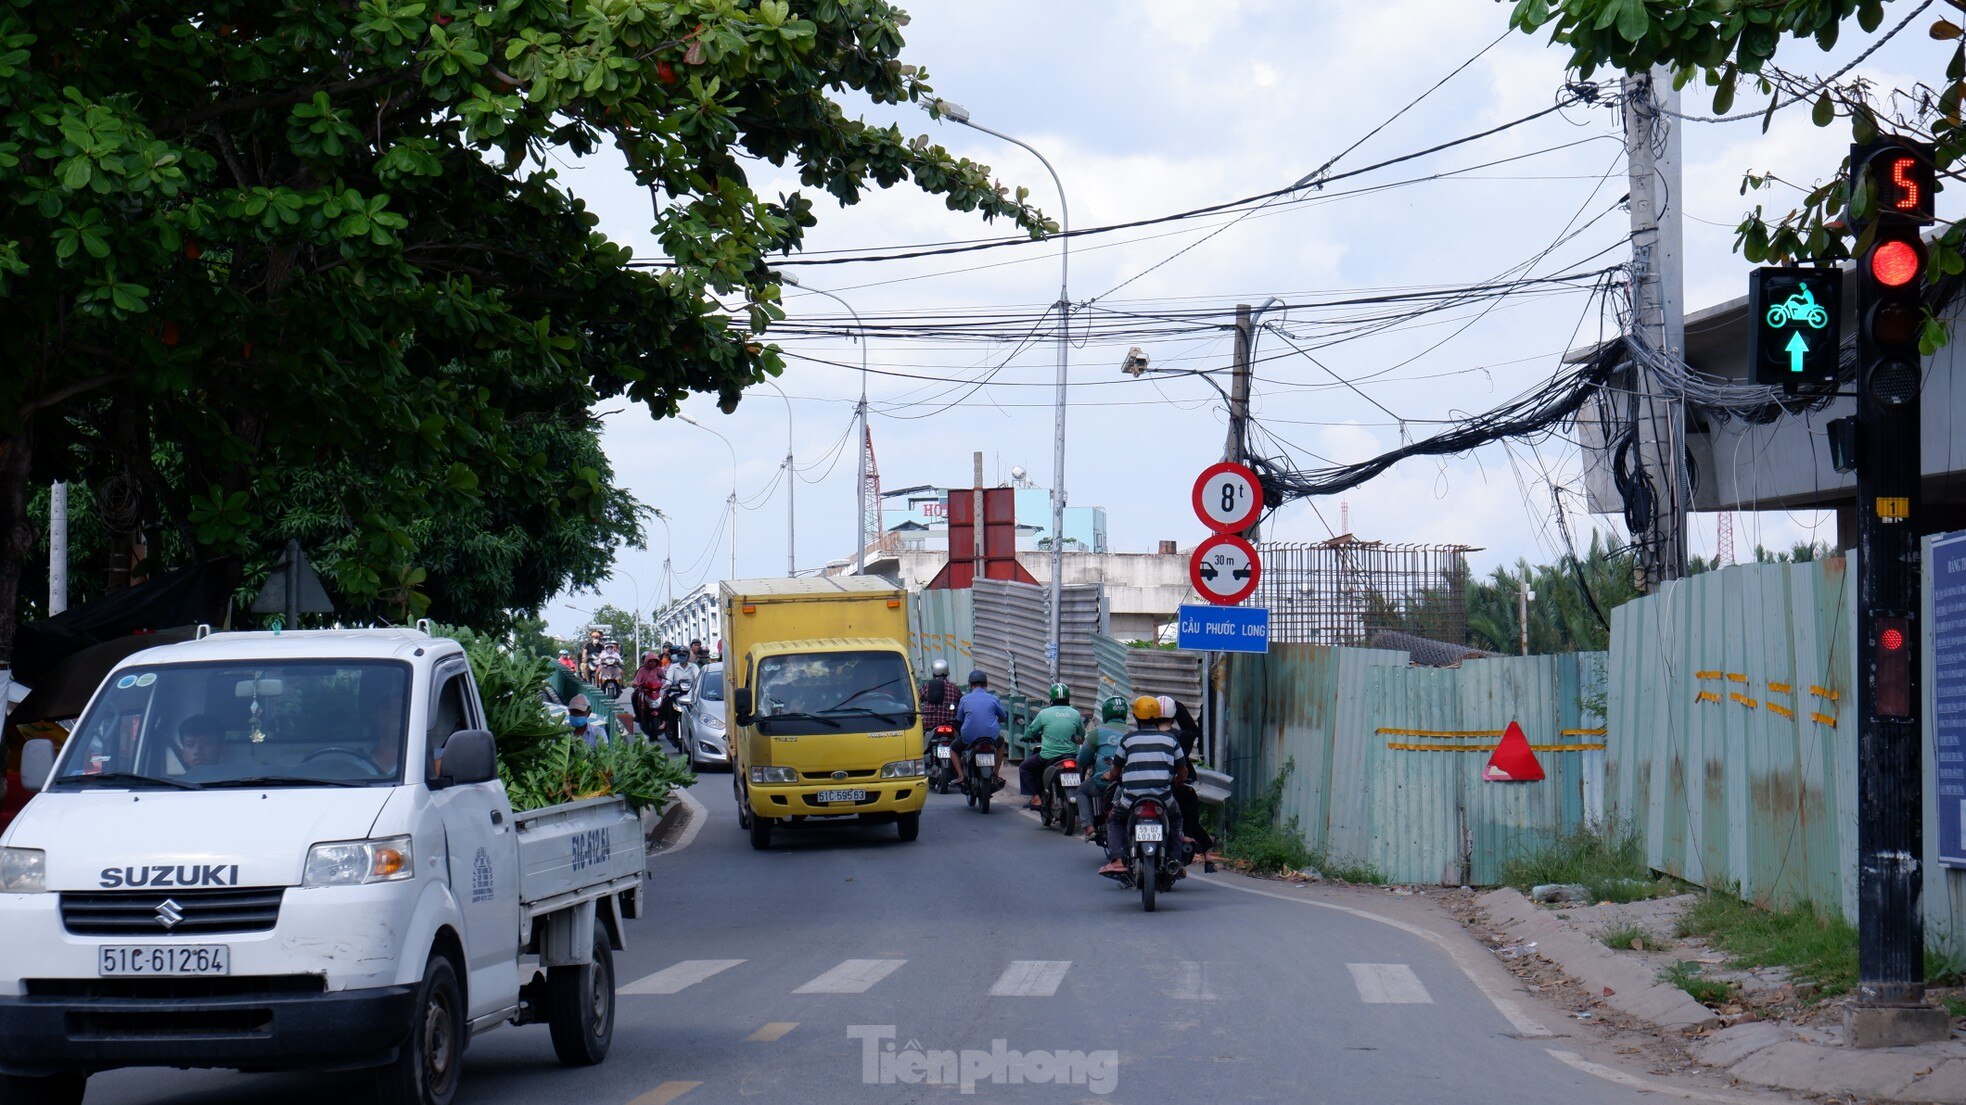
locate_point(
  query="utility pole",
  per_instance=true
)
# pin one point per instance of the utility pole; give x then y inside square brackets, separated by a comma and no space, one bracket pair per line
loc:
[1522,596]
[1237,449]
[1658,322]
[57,548]
[976,522]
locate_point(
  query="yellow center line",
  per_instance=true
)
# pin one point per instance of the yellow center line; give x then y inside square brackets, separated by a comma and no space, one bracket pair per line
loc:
[665,1093]
[772,1031]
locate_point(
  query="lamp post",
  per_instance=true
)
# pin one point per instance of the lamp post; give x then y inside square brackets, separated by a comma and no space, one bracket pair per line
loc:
[733,486]
[791,486]
[960,114]
[860,469]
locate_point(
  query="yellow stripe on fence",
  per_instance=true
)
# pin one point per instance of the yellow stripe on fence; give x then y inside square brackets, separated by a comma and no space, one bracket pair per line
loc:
[1776,707]
[1439,733]
[1736,677]
[1706,696]
[1823,719]
[1823,692]
[1743,699]
[1598,732]
[1706,675]
[1782,688]
[1401,746]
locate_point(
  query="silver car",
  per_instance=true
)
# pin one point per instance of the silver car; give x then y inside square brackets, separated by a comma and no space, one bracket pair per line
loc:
[702,720]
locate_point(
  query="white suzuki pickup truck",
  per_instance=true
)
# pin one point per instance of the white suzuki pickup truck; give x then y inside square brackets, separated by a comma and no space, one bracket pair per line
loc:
[292,851]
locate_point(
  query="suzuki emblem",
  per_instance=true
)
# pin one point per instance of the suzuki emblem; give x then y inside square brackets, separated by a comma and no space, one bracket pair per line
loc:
[169,914]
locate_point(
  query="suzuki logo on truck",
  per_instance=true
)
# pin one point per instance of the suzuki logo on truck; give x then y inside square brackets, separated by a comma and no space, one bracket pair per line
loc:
[196,874]
[169,914]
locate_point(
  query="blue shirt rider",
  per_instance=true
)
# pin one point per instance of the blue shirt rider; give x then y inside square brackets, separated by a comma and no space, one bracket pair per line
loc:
[980,718]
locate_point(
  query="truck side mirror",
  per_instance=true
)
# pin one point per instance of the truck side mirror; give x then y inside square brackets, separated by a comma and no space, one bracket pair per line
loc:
[37,762]
[741,699]
[470,756]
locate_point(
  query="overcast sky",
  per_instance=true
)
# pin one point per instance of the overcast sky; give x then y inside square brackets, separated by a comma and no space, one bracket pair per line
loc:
[1148,107]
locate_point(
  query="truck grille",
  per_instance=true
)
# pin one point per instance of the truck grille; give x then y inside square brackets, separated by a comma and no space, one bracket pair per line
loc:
[142,912]
[176,988]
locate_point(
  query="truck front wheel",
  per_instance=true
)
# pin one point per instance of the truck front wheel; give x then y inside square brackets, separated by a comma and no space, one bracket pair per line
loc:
[580,1006]
[910,825]
[65,1088]
[426,1071]
[760,832]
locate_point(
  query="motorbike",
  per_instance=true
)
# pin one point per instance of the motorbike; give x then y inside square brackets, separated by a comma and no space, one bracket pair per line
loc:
[609,672]
[1152,861]
[669,712]
[940,775]
[644,704]
[1060,801]
[980,776]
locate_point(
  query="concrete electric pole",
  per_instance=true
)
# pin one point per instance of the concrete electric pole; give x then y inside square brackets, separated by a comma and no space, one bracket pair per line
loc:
[1658,323]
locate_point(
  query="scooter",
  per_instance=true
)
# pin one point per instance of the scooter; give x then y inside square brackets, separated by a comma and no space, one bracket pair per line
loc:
[1153,862]
[669,714]
[1060,802]
[980,778]
[610,676]
[940,774]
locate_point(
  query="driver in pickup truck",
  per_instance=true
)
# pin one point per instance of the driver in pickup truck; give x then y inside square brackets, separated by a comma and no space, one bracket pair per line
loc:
[382,716]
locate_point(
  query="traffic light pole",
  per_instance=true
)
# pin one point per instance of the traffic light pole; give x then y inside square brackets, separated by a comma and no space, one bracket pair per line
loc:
[1890,1007]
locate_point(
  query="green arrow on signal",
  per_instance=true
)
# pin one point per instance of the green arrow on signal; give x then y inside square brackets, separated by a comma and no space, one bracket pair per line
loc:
[1796,348]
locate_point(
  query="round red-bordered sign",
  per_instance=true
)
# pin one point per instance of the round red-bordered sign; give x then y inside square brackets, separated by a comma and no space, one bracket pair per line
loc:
[1224,569]
[1227,497]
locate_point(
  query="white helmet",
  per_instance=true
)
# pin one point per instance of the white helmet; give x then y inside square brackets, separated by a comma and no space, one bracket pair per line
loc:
[939,669]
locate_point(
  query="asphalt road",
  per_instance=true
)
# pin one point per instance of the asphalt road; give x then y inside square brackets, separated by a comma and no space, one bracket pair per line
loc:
[842,965]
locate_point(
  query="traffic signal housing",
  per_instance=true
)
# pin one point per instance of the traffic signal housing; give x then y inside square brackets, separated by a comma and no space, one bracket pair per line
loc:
[1796,326]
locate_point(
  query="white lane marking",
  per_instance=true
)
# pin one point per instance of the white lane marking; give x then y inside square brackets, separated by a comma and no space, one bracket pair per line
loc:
[1194,984]
[670,980]
[1464,956]
[855,976]
[1613,1074]
[1031,978]
[1388,984]
[697,816]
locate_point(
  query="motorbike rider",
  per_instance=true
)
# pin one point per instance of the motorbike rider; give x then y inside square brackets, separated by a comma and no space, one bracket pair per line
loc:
[648,689]
[566,660]
[590,655]
[610,655]
[938,703]
[1056,730]
[697,652]
[1095,756]
[980,718]
[1178,720]
[1147,763]
[680,671]
[581,719]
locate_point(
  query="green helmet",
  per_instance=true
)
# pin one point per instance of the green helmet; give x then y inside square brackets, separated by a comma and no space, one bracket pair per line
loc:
[1060,694]
[1113,709]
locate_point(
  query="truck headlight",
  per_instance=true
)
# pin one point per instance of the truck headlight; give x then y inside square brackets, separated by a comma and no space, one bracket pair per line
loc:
[774,775]
[23,871]
[357,862]
[902,769]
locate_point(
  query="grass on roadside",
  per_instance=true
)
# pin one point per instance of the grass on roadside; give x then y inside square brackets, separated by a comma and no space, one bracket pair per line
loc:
[1268,846]
[1632,937]
[1609,861]
[1685,974]
[1817,950]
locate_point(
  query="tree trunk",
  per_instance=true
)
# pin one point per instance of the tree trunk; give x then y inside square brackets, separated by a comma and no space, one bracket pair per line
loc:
[16,536]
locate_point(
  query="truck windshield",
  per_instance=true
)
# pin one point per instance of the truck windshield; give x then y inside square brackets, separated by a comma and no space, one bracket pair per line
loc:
[834,692]
[303,723]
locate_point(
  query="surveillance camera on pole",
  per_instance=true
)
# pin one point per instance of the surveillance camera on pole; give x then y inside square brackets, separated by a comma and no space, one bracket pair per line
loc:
[1135,362]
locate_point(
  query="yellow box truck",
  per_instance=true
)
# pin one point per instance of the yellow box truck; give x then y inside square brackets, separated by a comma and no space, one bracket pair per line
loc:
[823,722]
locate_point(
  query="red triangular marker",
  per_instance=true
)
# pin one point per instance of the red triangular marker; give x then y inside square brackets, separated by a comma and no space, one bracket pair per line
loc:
[1514,761]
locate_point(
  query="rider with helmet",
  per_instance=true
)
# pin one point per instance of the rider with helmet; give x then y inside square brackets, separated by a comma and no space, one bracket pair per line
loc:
[1056,729]
[1147,764]
[1102,743]
[938,703]
[980,717]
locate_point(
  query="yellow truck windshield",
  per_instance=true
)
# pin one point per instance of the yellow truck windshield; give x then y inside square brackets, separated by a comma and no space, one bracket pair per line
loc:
[833,692]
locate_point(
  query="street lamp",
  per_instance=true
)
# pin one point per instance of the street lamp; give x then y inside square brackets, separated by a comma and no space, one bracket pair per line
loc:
[860,477]
[733,486]
[791,485]
[960,114]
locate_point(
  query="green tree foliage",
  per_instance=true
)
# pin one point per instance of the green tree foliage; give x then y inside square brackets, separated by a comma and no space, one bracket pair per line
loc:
[278,267]
[1560,616]
[1729,47]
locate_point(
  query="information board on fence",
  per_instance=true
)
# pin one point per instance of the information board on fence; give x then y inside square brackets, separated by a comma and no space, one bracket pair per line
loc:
[1224,629]
[1949,694]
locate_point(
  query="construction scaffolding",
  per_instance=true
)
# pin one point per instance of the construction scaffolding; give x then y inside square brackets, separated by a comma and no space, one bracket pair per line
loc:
[1343,591]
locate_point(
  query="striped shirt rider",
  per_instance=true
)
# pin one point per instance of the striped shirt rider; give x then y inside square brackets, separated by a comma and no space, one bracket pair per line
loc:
[1148,761]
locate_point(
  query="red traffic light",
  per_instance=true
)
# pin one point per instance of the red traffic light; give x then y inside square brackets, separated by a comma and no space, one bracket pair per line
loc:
[1891,639]
[1895,263]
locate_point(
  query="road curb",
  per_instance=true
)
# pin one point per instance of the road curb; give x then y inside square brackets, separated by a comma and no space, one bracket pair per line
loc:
[1625,986]
[677,815]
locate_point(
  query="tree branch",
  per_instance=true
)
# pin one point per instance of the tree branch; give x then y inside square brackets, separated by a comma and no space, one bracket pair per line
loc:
[68,391]
[290,96]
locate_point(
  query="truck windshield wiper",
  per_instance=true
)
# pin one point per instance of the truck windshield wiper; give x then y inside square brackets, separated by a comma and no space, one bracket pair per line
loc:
[281,781]
[823,720]
[126,777]
[864,711]
[864,690]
